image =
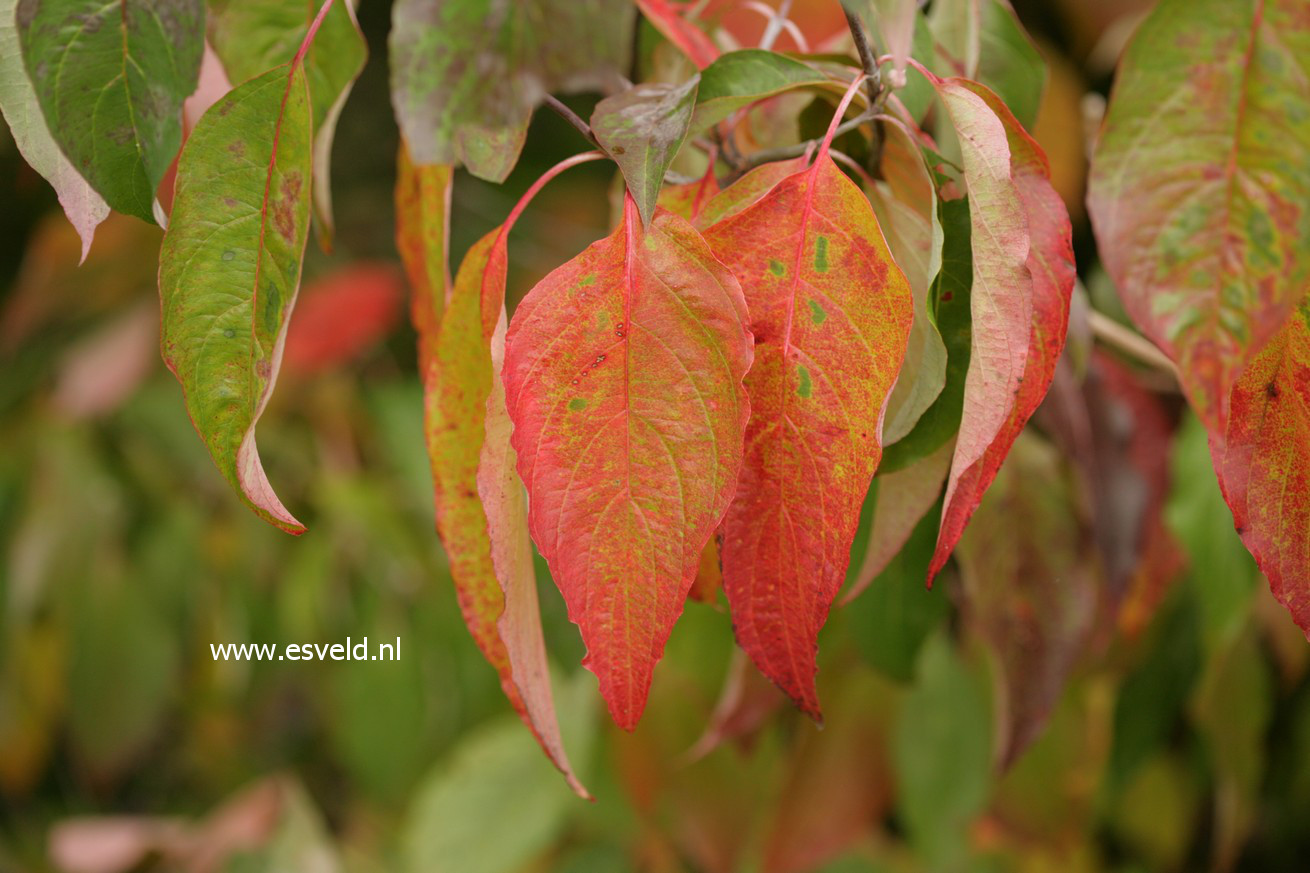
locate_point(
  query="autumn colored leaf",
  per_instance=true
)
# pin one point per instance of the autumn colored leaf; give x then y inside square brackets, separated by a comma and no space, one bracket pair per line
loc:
[831,312]
[111,80]
[623,372]
[709,575]
[642,128]
[905,201]
[251,36]
[746,703]
[230,268]
[1031,582]
[1261,462]
[341,315]
[481,514]
[467,74]
[747,190]
[18,104]
[1197,207]
[737,79]
[1047,276]
[687,200]
[690,39]
[423,241]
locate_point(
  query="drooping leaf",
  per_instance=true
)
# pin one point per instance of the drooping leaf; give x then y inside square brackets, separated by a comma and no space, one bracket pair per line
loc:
[690,39]
[905,201]
[481,515]
[1008,62]
[230,265]
[1196,192]
[830,311]
[623,376]
[642,128]
[903,498]
[950,297]
[111,80]
[466,74]
[738,79]
[251,36]
[895,20]
[423,240]
[1010,377]
[957,29]
[18,104]
[1030,579]
[1262,462]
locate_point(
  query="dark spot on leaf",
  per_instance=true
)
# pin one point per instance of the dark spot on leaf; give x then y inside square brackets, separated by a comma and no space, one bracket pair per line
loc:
[817,314]
[1271,390]
[230,202]
[228,255]
[284,209]
[805,388]
[821,254]
[229,333]
[777,268]
[618,150]
[577,404]
[263,369]
[237,148]
[271,308]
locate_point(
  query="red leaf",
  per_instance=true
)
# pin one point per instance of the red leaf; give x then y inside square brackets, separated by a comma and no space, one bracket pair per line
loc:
[1020,310]
[1262,463]
[481,515]
[690,39]
[623,373]
[831,314]
[341,315]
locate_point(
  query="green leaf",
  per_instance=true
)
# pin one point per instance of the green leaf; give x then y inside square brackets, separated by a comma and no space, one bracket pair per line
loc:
[952,309]
[495,803]
[1198,187]
[740,78]
[111,79]
[18,103]
[230,268]
[943,754]
[1009,63]
[252,36]
[467,74]
[642,128]
[905,201]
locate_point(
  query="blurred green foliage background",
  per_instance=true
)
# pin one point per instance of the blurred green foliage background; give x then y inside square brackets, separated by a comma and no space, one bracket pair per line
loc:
[1180,741]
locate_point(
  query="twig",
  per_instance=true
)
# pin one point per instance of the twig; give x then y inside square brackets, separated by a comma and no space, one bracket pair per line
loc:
[873,83]
[1132,344]
[572,118]
[782,153]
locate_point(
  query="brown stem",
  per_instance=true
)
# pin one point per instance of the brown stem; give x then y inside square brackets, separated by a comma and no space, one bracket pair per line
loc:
[572,118]
[873,82]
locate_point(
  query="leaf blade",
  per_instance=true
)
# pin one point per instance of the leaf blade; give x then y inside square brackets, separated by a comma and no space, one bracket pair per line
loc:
[220,247]
[623,374]
[1213,275]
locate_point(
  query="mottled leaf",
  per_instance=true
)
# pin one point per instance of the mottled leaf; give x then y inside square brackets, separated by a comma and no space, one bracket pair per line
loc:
[18,104]
[467,74]
[905,201]
[1198,190]
[740,78]
[1262,463]
[230,268]
[481,513]
[623,376]
[251,36]
[1041,231]
[423,240]
[830,311]
[111,79]
[747,190]
[642,128]
[690,39]
[1030,582]
[688,200]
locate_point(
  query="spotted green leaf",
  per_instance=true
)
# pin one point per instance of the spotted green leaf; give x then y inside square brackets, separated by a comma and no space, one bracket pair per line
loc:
[111,79]
[251,36]
[230,268]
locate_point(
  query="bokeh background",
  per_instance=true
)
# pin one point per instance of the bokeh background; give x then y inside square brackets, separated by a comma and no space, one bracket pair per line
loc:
[1101,581]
